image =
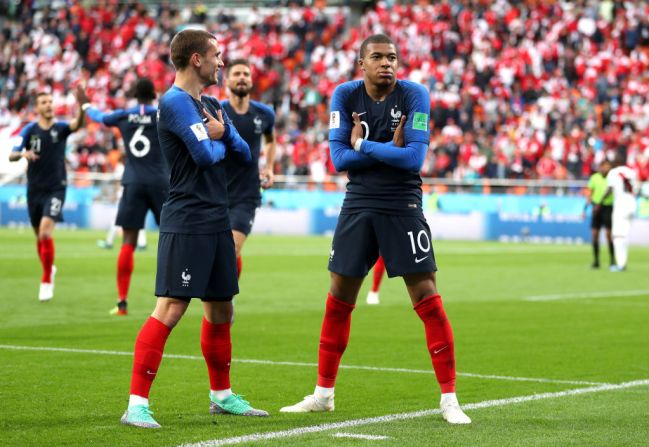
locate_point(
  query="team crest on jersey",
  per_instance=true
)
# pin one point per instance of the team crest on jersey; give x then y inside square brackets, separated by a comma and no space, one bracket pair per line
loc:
[55,135]
[334,120]
[258,123]
[395,113]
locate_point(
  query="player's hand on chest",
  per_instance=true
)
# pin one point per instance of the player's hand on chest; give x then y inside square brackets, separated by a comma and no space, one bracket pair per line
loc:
[215,125]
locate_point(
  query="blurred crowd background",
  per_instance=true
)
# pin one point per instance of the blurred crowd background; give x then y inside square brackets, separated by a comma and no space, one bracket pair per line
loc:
[519,89]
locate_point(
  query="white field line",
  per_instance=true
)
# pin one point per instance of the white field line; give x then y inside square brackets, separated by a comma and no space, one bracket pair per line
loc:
[359,436]
[405,416]
[311,365]
[582,295]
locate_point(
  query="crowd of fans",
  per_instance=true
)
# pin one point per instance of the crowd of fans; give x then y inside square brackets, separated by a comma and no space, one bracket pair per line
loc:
[519,89]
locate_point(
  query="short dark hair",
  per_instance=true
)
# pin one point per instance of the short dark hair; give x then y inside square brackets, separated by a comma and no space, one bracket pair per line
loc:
[188,42]
[39,94]
[376,38]
[238,61]
[144,90]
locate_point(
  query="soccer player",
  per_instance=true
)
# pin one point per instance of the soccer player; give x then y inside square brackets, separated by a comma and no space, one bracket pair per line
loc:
[196,257]
[377,277]
[145,179]
[253,121]
[622,186]
[42,143]
[601,216]
[382,212]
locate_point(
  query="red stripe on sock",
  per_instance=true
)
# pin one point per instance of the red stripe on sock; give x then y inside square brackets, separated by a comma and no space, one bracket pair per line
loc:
[217,351]
[124,270]
[439,338]
[377,277]
[149,346]
[333,339]
[47,259]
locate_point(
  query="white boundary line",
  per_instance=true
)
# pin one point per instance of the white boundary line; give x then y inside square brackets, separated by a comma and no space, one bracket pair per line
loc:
[359,436]
[270,362]
[405,416]
[580,295]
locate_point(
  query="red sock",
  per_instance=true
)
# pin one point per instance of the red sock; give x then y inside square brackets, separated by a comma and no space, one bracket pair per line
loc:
[47,259]
[39,249]
[124,270]
[239,266]
[439,337]
[333,339]
[149,345]
[379,270]
[217,350]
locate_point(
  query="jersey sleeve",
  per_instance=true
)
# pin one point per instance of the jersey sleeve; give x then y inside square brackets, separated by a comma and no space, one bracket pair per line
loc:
[108,119]
[415,131]
[23,136]
[343,156]
[270,117]
[180,117]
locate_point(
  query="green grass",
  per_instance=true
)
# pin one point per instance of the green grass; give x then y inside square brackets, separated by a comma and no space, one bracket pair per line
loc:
[64,398]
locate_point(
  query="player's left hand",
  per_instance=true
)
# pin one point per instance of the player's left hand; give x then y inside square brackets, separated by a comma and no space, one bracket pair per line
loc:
[215,126]
[80,94]
[397,138]
[357,130]
[267,178]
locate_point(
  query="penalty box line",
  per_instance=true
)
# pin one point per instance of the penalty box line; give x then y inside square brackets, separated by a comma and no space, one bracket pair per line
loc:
[412,415]
[306,364]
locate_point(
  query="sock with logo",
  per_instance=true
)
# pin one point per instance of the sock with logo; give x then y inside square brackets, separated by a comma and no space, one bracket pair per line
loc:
[333,339]
[149,346]
[47,259]
[377,275]
[439,338]
[124,270]
[217,351]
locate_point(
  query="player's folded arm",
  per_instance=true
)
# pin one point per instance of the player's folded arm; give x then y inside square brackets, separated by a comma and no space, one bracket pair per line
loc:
[410,158]
[344,157]
[236,145]
[184,121]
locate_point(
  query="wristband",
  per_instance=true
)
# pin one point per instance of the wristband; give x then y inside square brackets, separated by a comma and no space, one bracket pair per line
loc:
[357,144]
[85,106]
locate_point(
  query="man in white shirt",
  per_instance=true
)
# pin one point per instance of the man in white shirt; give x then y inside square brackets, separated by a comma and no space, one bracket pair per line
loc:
[623,184]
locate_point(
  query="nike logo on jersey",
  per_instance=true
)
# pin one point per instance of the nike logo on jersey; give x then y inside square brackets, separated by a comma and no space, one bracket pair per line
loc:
[437,351]
[418,260]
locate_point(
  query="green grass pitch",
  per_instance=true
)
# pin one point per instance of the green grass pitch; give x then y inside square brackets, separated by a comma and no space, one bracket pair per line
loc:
[518,310]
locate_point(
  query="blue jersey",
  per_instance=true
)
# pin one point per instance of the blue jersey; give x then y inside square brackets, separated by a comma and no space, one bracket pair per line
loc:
[48,172]
[198,201]
[382,177]
[145,163]
[243,180]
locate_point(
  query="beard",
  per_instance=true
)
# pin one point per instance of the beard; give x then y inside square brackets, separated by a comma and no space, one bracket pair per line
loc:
[241,91]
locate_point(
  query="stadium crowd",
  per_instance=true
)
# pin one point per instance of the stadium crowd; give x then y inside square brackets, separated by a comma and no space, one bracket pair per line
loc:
[519,89]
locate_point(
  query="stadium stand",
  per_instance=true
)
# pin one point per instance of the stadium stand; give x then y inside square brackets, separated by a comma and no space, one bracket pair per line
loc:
[519,89]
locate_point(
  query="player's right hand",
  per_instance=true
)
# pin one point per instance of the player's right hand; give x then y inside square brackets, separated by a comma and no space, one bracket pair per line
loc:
[215,126]
[357,130]
[397,138]
[30,156]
